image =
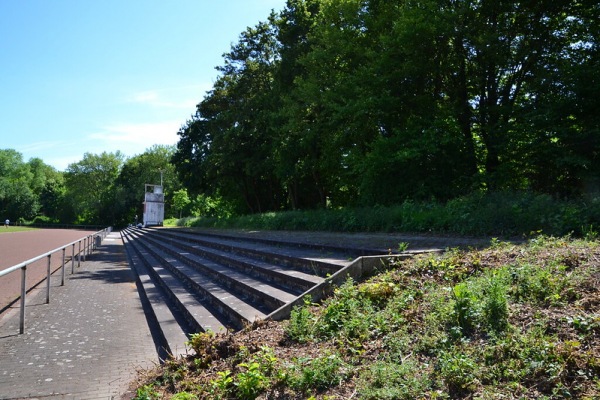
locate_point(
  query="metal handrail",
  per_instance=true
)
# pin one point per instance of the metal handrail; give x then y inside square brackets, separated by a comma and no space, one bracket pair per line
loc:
[88,247]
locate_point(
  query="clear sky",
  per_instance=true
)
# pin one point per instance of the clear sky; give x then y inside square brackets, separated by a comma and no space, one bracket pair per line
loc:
[81,76]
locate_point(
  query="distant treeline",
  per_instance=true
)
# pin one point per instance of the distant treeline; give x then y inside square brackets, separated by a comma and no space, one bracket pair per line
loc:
[100,190]
[376,102]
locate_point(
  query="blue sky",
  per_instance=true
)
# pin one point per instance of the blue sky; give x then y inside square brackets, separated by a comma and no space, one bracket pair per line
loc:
[81,76]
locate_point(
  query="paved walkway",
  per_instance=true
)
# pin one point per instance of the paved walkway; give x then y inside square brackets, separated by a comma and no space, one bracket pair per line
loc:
[88,343]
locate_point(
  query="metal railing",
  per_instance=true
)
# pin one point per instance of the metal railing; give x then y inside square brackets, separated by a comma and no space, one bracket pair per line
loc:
[90,243]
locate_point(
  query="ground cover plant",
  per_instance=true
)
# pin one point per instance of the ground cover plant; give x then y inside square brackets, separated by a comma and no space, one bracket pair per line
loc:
[509,321]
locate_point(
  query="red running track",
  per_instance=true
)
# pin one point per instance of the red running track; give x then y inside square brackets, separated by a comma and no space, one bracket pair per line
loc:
[17,247]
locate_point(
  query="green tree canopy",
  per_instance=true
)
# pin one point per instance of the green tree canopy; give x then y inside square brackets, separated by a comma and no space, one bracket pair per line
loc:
[332,103]
[90,184]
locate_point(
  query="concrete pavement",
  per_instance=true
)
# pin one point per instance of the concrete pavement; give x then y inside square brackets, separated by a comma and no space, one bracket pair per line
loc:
[88,343]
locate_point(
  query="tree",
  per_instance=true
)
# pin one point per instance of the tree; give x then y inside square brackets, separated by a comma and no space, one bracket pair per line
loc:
[17,199]
[49,186]
[151,167]
[181,201]
[508,54]
[90,187]
[227,145]
[342,102]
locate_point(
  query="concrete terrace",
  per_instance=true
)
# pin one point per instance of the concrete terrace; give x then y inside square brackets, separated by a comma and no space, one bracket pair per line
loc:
[136,300]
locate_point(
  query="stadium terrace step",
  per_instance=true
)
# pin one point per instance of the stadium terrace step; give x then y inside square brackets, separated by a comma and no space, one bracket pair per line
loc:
[166,305]
[293,280]
[196,282]
[296,256]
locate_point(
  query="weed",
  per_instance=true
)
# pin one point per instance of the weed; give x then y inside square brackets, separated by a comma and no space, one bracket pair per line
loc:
[589,232]
[184,396]
[147,392]
[584,324]
[210,346]
[301,323]
[537,284]
[317,373]
[495,306]
[466,312]
[398,345]
[253,375]
[345,314]
[378,292]
[386,380]
[220,387]
[250,382]
[458,371]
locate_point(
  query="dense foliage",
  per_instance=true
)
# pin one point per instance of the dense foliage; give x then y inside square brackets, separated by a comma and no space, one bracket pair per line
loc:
[364,102]
[28,189]
[511,321]
[501,214]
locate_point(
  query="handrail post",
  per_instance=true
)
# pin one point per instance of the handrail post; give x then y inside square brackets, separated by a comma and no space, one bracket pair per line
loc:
[79,255]
[62,279]
[48,281]
[23,292]
[72,258]
[84,247]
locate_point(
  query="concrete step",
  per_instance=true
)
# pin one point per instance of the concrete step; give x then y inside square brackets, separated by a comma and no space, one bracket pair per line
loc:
[291,255]
[263,294]
[287,278]
[284,239]
[199,314]
[231,306]
[198,282]
[166,323]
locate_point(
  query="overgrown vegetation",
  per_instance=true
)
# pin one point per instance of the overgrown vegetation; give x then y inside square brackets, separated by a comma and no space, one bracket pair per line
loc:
[510,321]
[486,213]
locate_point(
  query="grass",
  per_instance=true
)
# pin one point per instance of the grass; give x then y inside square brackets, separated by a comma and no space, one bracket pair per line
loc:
[10,229]
[509,321]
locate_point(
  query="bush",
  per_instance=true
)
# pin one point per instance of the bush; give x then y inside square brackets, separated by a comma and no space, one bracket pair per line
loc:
[480,213]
